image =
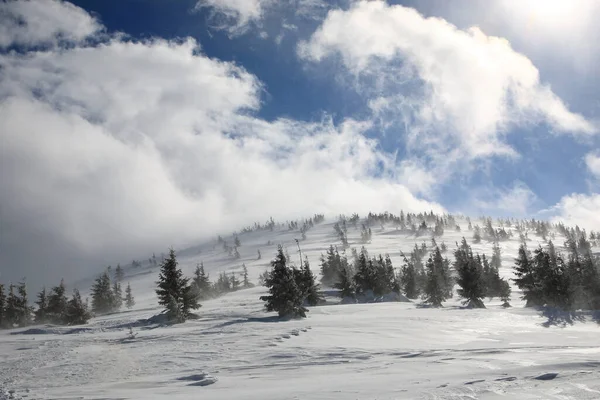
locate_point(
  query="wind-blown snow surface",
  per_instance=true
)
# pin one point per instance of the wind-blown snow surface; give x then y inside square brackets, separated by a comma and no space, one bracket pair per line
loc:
[364,351]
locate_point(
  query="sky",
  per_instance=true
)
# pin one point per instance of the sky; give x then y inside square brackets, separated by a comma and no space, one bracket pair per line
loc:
[130,126]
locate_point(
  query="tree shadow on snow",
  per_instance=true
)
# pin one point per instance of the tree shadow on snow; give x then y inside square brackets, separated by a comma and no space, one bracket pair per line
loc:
[561,318]
[271,318]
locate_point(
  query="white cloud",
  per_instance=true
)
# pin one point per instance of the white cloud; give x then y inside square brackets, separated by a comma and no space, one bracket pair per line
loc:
[516,200]
[579,209]
[454,89]
[592,162]
[238,16]
[27,23]
[112,151]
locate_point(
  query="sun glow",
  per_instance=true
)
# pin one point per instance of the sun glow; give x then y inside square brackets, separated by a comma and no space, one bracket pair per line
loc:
[551,18]
[549,12]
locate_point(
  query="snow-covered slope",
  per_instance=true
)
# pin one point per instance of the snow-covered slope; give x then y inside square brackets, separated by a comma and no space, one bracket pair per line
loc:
[363,351]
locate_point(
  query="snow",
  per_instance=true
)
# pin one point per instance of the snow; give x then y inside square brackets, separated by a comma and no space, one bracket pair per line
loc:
[235,350]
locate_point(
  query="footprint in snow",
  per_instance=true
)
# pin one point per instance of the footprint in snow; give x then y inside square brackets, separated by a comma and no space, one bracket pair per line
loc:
[202,379]
[546,377]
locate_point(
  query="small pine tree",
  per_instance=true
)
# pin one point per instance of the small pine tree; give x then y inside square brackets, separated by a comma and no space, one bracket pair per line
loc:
[103,301]
[528,279]
[408,282]
[246,282]
[41,314]
[236,241]
[129,300]
[119,273]
[2,307]
[477,234]
[235,282]
[77,311]
[174,293]
[57,304]
[345,281]
[284,295]
[11,313]
[117,297]
[435,288]
[470,280]
[505,293]
[201,283]
[308,286]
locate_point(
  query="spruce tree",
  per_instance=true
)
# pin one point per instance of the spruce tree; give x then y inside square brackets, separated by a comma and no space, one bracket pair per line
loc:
[284,297]
[41,314]
[77,311]
[330,265]
[470,280]
[436,286]
[174,293]
[246,282]
[2,307]
[345,281]
[408,282]
[201,282]
[129,300]
[11,312]
[235,282]
[57,304]
[119,273]
[505,293]
[528,278]
[308,286]
[103,296]
[117,297]
[24,310]
[365,277]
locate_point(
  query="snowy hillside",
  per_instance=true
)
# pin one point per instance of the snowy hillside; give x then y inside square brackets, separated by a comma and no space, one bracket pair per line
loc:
[236,350]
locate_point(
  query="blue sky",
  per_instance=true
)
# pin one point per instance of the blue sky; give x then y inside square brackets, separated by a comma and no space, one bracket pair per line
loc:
[134,125]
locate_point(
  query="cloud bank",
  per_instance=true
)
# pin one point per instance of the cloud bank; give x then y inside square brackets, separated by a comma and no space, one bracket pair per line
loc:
[117,149]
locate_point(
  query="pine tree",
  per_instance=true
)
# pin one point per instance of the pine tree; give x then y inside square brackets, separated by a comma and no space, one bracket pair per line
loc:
[470,280]
[57,304]
[408,282]
[528,278]
[117,296]
[129,300]
[284,295]
[201,283]
[365,277]
[119,273]
[103,300]
[477,234]
[505,293]
[345,281]
[246,282]
[329,266]
[41,314]
[2,307]
[236,241]
[77,311]
[308,286]
[24,310]
[235,282]
[174,293]
[436,286]
[12,307]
